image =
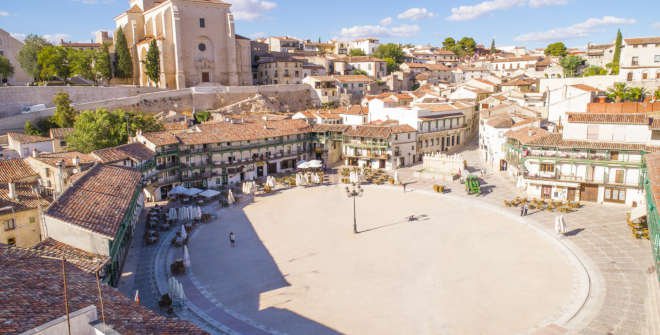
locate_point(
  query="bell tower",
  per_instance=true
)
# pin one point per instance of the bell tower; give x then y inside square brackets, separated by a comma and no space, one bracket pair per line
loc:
[143,4]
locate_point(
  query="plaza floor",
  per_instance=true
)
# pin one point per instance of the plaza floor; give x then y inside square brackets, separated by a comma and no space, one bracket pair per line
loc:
[460,268]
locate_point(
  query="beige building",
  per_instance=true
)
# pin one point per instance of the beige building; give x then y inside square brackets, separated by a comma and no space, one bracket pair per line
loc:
[196,40]
[9,48]
[275,70]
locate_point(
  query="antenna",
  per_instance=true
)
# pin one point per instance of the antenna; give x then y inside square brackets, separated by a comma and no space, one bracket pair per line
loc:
[66,297]
[98,284]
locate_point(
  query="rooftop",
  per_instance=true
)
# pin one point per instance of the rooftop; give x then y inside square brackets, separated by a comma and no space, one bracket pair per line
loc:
[25,139]
[83,260]
[627,119]
[28,197]
[98,199]
[134,151]
[17,169]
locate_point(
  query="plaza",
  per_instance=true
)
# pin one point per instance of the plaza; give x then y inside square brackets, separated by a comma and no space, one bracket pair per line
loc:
[459,268]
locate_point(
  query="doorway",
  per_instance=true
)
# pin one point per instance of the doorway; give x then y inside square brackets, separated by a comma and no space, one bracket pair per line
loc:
[206,77]
[546,192]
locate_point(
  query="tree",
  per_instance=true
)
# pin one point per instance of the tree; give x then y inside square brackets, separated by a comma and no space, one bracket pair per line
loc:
[466,46]
[618,92]
[6,69]
[358,72]
[64,115]
[571,65]
[202,116]
[82,63]
[53,62]
[356,52]
[657,94]
[31,129]
[449,43]
[616,58]
[27,56]
[636,94]
[594,71]
[492,47]
[124,67]
[152,63]
[41,127]
[392,54]
[102,65]
[557,49]
[100,129]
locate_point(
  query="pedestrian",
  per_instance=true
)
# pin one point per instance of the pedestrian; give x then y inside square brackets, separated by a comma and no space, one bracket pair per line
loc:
[404,187]
[232,239]
[526,208]
[522,209]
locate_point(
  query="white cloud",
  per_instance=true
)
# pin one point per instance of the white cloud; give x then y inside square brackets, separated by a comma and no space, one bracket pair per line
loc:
[386,21]
[577,30]
[4,13]
[469,12]
[250,10]
[416,14]
[404,30]
[18,36]
[656,25]
[56,38]
[259,34]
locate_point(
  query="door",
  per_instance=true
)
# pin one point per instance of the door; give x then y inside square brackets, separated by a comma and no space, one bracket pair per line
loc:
[260,171]
[206,77]
[546,192]
[589,193]
[571,194]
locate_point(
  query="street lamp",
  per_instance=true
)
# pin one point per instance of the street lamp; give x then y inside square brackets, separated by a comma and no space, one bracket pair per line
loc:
[354,191]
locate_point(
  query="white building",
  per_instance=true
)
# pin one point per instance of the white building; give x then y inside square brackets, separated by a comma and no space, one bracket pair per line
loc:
[367,45]
[568,98]
[640,59]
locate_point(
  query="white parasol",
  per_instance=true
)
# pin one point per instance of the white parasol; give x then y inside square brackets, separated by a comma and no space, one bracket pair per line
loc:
[186,257]
[172,214]
[315,164]
[562,225]
[184,235]
[396,178]
[230,197]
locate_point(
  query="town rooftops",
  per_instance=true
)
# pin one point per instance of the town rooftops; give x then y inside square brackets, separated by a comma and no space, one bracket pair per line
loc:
[378,131]
[322,128]
[134,151]
[556,141]
[642,40]
[353,79]
[585,88]
[528,135]
[12,170]
[628,119]
[60,133]
[83,260]
[98,199]
[32,296]
[25,139]
[67,157]
[161,138]
[363,59]
[516,59]
[519,82]
[252,130]
[27,197]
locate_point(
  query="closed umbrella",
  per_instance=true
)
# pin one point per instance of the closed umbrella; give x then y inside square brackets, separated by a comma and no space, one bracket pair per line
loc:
[396,177]
[230,197]
[199,213]
[186,257]
[184,235]
[557,225]
[562,225]
[172,214]
[182,213]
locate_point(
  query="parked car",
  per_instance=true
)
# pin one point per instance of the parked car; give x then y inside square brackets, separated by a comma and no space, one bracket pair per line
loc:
[33,108]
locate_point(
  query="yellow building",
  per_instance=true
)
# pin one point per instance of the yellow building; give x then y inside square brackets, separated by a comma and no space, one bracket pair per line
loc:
[21,204]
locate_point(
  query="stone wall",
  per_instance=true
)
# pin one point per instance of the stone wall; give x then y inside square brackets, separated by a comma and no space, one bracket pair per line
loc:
[283,97]
[13,98]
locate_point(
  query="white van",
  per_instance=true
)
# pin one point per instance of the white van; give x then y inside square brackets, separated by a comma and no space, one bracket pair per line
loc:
[33,108]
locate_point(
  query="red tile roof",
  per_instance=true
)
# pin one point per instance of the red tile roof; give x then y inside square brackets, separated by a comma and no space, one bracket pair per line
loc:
[67,157]
[27,197]
[24,138]
[629,119]
[32,295]
[83,260]
[382,132]
[556,141]
[586,88]
[15,170]
[60,133]
[98,200]
[642,40]
[134,151]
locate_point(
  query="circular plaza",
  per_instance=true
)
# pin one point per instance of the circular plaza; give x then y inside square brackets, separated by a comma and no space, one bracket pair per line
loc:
[460,267]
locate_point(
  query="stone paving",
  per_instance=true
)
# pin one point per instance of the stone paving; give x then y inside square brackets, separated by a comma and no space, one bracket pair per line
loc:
[618,264]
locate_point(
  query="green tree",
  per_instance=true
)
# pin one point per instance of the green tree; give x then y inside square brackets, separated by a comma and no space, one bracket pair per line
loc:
[557,49]
[202,116]
[40,127]
[466,46]
[31,129]
[6,69]
[449,43]
[356,52]
[392,54]
[360,72]
[657,94]
[492,47]
[82,63]
[124,67]
[616,58]
[102,64]
[571,65]
[27,56]
[636,94]
[53,62]
[618,92]
[152,63]
[64,115]
[594,71]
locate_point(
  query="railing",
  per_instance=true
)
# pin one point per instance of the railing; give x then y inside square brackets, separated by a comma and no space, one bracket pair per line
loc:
[167,166]
[598,159]
[577,179]
[653,222]
[166,152]
[366,144]
[197,176]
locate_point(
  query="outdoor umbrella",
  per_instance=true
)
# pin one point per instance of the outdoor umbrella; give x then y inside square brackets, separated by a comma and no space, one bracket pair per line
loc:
[181,214]
[396,177]
[315,164]
[562,225]
[230,197]
[184,235]
[198,215]
[186,257]
[172,214]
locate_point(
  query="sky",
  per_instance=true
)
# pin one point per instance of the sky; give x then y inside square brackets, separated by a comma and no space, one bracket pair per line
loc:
[531,23]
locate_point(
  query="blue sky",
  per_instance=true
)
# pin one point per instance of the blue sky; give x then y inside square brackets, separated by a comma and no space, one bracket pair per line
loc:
[510,22]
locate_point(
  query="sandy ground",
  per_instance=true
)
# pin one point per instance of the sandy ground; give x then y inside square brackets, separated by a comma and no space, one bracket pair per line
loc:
[460,269]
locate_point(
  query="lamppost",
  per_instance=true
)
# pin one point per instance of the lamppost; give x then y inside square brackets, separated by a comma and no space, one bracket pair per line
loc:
[354,191]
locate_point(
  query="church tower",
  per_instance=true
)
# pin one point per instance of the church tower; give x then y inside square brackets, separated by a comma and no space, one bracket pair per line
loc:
[143,4]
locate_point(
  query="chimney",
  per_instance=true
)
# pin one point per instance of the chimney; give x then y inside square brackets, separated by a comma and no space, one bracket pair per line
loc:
[35,153]
[76,161]
[12,191]
[59,178]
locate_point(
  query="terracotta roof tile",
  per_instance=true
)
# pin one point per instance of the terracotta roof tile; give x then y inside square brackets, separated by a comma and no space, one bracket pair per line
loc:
[642,40]
[60,133]
[161,138]
[32,295]
[98,199]
[24,138]
[230,132]
[586,88]
[630,119]
[556,141]
[53,158]
[15,170]
[83,260]
[528,135]
[353,79]
[134,151]
[27,197]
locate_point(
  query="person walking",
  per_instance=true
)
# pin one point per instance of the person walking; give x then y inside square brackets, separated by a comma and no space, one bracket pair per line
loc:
[232,239]
[522,209]
[525,208]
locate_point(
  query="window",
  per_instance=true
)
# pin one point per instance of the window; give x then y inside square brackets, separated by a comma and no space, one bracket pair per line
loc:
[202,23]
[629,77]
[656,58]
[201,47]
[9,224]
[615,195]
[645,75]
[635,61]
[33,219]
[11,241]
[619,177]
[547,167]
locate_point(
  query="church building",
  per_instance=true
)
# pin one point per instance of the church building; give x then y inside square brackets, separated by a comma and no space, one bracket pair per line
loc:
[196,40]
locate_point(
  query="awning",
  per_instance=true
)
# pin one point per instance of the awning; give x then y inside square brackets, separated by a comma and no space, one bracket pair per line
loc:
[193,191]
[209,194]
